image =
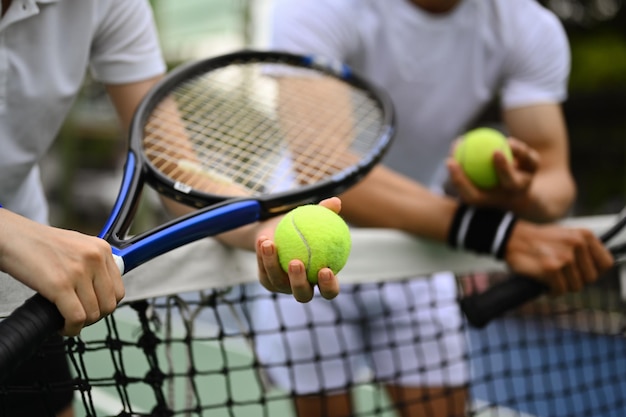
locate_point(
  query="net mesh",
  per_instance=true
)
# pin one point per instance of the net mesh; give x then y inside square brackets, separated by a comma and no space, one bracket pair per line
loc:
[242,351]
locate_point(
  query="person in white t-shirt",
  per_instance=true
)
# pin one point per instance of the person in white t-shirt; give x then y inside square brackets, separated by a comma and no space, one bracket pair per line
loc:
[442,62]
[46,48]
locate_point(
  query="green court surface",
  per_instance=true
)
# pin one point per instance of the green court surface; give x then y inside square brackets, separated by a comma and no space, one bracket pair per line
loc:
[239,383]
[195,28]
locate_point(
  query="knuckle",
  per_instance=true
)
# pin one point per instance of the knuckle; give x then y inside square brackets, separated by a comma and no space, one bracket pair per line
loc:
[591,278]
[92,316]
[120,293]
[580,238]
[553,266]
[108,306]
[76,319]
[576,285]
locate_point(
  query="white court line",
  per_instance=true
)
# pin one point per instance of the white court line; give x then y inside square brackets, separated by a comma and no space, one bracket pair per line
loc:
[488,410]
[105,402]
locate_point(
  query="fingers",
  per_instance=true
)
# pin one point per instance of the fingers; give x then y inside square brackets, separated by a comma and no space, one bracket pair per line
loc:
[526,158]
[512,183]
[514,179]
[333,203]
[97,289]
[327,284]
[271,275]
[73,311]
[467,191]
[509,178]
[301,289]
[564,259]
[517,177]
[295,281]
[87,303]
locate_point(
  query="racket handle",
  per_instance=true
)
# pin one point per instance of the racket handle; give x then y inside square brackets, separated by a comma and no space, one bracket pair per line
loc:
[481,308]
[25,330]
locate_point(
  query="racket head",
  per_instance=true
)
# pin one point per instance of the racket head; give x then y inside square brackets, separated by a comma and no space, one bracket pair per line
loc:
[279,128]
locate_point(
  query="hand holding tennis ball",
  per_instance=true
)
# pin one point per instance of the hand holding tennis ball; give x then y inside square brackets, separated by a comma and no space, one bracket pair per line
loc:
[475,155]
[315,235]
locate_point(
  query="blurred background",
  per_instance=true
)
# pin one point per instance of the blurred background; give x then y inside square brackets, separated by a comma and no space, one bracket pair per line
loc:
[83,170]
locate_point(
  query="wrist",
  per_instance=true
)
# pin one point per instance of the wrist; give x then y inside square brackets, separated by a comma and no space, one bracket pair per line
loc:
[481,230]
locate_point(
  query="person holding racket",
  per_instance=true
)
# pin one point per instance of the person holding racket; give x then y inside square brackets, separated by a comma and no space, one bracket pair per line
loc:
[442,62]
[41,76]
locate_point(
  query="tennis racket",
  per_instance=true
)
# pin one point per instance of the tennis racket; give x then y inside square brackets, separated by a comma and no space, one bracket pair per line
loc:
[480,309]
[241,137]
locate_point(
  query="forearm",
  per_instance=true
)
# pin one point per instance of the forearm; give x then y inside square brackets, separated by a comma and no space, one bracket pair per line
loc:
[552,192]
[72,270]
[550,198]
[389,200]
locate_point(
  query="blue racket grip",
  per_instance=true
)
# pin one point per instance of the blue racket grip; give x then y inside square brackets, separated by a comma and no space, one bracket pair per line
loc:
[481,308]
[25,330]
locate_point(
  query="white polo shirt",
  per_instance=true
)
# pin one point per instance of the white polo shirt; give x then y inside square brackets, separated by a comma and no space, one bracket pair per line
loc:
[46,47]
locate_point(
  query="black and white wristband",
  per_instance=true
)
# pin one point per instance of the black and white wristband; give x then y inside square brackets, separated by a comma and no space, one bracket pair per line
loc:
[482,230]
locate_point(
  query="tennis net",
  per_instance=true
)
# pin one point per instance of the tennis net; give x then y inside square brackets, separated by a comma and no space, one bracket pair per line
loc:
[218,344]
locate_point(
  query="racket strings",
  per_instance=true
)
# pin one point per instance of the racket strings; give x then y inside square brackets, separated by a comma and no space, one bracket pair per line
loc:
[250,130]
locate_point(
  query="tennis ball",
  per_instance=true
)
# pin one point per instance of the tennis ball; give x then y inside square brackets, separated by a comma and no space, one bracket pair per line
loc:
[315,235]
[475,155]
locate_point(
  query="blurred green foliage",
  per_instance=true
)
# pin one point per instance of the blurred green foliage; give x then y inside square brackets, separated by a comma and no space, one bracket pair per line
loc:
[597,35]
[598,62]
[596,108]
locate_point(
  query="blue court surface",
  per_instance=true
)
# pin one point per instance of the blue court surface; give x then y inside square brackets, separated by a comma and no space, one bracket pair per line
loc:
[555,373]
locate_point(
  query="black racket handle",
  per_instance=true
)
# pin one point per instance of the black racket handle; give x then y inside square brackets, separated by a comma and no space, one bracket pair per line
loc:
[25,330]
[481,308]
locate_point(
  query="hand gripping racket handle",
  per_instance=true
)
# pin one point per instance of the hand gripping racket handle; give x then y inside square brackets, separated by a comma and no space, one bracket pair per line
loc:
[28,327]
[480,309]
[25,331]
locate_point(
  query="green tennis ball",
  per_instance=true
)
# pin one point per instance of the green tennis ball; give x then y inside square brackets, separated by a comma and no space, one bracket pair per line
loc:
[475,155]
[315,235]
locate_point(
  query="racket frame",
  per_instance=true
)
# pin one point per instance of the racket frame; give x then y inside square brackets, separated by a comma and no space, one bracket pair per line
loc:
[279,202]
[30,324]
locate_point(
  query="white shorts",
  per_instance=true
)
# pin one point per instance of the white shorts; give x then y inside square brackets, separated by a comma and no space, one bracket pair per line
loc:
[408,333]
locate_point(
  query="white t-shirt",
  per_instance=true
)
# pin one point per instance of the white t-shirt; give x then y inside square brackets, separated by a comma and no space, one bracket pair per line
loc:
[438,69]
[46,47]
[440,72]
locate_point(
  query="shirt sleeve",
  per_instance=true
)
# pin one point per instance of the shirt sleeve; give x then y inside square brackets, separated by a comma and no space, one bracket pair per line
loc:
[538,63]
[126,45]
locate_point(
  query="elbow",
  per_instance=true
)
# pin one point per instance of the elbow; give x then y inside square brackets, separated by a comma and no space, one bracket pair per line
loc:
[562,203]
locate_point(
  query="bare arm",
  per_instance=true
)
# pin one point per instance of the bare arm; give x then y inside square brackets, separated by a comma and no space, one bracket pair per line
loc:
[74,271]
[564,259]
[126,98]
[388,199]
[552,190]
